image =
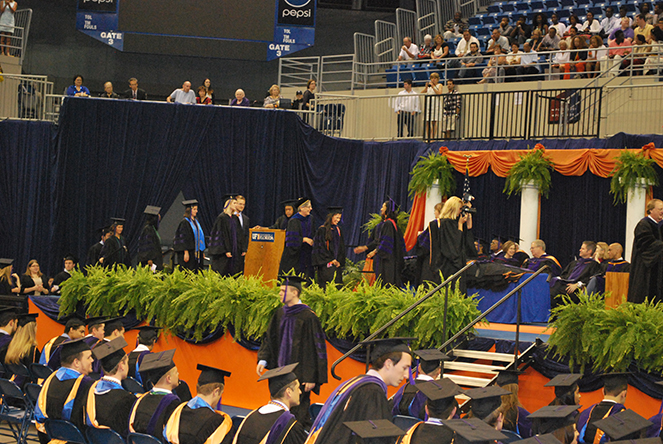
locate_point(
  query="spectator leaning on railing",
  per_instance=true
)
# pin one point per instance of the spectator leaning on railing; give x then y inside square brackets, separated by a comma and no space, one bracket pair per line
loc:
[513,62]
[619,49]
[497,40]
[561,60]
[407,106]
[409,50]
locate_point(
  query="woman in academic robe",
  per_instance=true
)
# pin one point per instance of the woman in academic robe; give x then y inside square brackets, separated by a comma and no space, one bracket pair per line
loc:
[329,250]
[33,282]
[115,251]
[288,210]
[224,245]
[456,241]
[510,249]
[149,242]
[10,283]
[189,242]
[23,349]
[430,269]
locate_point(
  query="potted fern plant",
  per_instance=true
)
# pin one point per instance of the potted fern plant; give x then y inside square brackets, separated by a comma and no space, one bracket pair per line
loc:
[533,169]
[432,169]
[632,170]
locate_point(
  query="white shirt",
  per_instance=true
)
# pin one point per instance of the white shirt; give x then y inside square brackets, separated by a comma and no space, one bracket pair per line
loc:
[560,27]
[414,50]
[463,46]
[373,372]
[529,58]
[562,57]
[502,41]
[141,348]
[407,102]
[599,53]
[594,28]
[241,220]
[273,406]
[179,96]
[608,24]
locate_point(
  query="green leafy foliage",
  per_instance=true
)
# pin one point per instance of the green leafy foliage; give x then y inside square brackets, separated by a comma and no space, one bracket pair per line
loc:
[431,168]
[196,304]
[532,167]
[402,219]
[630,169]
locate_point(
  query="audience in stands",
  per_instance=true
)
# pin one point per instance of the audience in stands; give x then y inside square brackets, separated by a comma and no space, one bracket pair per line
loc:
[297,102]
[33,281]
[494,72]
[561,61]
[409,51]
[274,97]
[571,32]
[579,63]
[497,40]
[521,32]
[7,22]
[644,10]
[529,62]
[596,56]
[407,106]
[203,98]
[210,91]
[540,23]
[441,49]
[610,22]
[182,95]
[463,47]
[625,27]
[77,89]
[642,28]
[513,62]
[619,49]
[658,10]
[432,108]
[108,92]
[640,52]
[456,27]
[536,40]
[469,61]
[550,42]
[240,99]
[574,22]
[451,109]
[591,25]
[623,13]
[309,94]
[134,92]
[505,28]
[657,32]
[427,48]
[559,26]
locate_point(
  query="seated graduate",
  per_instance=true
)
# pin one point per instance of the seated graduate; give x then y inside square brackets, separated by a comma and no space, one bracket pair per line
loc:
[153,408]
[513,413]
[482,248]
[471,431]
[567,391]
[576,274]
[363,397]
[288,210]
[73,329]
[95,329]
[557,422]
[8,326]
[64,393]
[625,426]
[540,258]
[657,422]
[408,400]
[485,403]
[273,421]
[441,405]
[615,386]
[495,246]
[108,403]
[369,432]
[147,338]
[197,421]
[329,250]
[69,264]
[113,329]
[614,264]
[22,349]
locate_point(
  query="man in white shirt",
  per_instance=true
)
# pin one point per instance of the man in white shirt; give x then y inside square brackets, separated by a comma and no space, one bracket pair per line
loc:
[591,25]
[609,22]
[409,50]
[529,60]
[559,26]
[407,106]
[497,39]
[183,95]
[463,46]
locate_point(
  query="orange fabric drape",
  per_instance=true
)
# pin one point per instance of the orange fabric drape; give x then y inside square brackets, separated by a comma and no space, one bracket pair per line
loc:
[416,221]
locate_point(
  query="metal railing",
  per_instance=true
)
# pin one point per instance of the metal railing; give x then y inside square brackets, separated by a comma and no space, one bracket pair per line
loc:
[427,19]
[23,96]
[634,109]
[386,42]
[18,40]
[296,71]
[406,26]
[336,72]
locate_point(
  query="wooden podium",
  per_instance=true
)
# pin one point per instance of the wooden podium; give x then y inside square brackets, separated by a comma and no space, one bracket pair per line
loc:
[264,253]
[617,285]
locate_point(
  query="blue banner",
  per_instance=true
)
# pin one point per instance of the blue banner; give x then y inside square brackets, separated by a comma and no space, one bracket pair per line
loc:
[100,26]
[294,27]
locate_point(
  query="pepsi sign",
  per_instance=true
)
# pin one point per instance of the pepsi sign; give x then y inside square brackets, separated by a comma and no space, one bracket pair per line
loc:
[296,12]
[99,5]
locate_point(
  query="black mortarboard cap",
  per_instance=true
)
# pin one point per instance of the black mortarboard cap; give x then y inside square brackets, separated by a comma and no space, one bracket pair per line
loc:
[467,197]
[112,324]
[639,441]
[279,377]
[289,202]
[505,377]
[209,375]
[292,281]
[301,201]
[25,319]
[563,383]
[515,239]
[298,93]
[552,417]
[7,314]
[72,348]
[150,209]
[334,210]
[473,430]
[486,400]
[431,359]
[377,428]
[613,380]
[381,347]
[96,320]
[71,257]
[110,353]
[118,220]
[148,332]
[440,393]
[155,365]
[189,203]
[541,439]
[6,262]
[623,424]
[102,230]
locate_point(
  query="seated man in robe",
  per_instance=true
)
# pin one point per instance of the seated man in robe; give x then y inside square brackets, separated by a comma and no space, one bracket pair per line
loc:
[615,264]
[540,258]
[575,275]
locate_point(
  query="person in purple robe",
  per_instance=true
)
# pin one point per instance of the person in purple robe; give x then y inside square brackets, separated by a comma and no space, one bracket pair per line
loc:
[299,241]
[575,275]
[540,258]
[409,400]
[329,250]
[615,386]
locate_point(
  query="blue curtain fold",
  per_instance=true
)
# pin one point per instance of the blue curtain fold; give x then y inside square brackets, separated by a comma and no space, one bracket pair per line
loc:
[49,306]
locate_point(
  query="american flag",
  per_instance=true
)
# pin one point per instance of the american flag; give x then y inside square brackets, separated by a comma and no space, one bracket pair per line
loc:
[466,184]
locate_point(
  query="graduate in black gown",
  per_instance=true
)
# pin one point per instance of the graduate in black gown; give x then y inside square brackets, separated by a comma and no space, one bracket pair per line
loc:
[243,232]
[646,281]
[425,240]
[147,338]
[224,243]
[456,240]
[51,354]
[149,242]
[513,413]
[299,242]
[8,325]
[69,264]
[540,258]
[329,250]
[94,252]
[274,420]
[576,274]
[95,329]
[70,381]
[152,409]
[363,397]
[288,210]
[615,386]
[386,247]
[198,421]
[189,242]
[408,400]
[114,251]
[485,403]
[22,350]
[108,403]
[295,334]
[9,282]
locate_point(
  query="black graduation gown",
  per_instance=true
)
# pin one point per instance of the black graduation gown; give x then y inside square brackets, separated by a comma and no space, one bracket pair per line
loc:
[256,425]
[94,253]
[297,254]
[149,247]
[186,241]
[115,252]
[59,279]
[28,282]
[591,269]
[409,392]
[646,280]
[281,223]
[389,261]
[244,235]
[225,238]
[456,247]
[133,359]
[147,408]
[113,410]
[4,344]
[367,401]
[426,433]
[57,395]
[324,252]
[196,425]
[5,288]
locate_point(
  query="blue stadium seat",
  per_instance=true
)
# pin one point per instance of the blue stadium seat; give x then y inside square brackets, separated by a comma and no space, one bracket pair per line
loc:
[489,20]
[494,8]
[509,7]
[568,3]
[474,21]
[452,46]
[483,32]
[596,10]
[138,438]
[563,14]
[537,4]
[497,15]
[630,7]
[522,7]
[551,4]
[420,74]
[580,12]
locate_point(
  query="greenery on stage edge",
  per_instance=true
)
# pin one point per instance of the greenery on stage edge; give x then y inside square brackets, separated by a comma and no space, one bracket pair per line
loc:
[182,301]
[630,169]
[532,167]
[431,168]
[590,335]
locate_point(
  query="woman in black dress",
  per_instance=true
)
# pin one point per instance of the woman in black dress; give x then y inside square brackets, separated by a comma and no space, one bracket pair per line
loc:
[224,245]
[329,250]
[33,282]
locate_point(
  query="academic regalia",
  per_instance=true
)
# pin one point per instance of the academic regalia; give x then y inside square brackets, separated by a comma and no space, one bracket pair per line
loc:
[109,404]
[517,421]
[273,419]
[59,279]
[115,252]
[616,266]
[31,357]
[389,261]
[94,253]
[409,401]
[535,263]
[135,359]
[429,432]
[646,281]
[195,422]
[657,424]
[422,250]
[151,412]
[325,251]
[579,270]
[49,350]
[281,223]
[225,238]
[594,413]
[520,256]
[431,267]
[243,224]
[297,253]
[149,247]
[186,241]
[455,249]
[5,339]
[512,261]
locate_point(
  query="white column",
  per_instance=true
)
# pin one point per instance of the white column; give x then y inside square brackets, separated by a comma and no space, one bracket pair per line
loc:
[433,198]
[635,210]
[529,215]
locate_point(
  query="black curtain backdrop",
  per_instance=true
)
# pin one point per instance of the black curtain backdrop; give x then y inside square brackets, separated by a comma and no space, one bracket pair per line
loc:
[112,158]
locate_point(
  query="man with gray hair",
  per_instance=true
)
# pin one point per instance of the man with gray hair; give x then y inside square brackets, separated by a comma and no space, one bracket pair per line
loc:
[540,258]
[409,50]
[427,48]
[134,92]
[108,92]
